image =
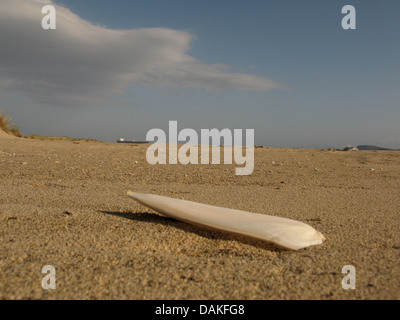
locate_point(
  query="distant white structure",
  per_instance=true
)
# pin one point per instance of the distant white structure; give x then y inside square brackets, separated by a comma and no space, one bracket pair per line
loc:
[122,140]
[350,148]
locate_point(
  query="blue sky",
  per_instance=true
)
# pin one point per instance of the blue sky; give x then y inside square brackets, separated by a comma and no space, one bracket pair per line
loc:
[284,68]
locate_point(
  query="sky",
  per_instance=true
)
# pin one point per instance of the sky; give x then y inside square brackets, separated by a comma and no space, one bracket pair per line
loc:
[286,69]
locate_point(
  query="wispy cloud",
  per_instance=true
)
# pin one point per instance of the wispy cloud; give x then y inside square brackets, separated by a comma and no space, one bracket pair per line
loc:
[81,64]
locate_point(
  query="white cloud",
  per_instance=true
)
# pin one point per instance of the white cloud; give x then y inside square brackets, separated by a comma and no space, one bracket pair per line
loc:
[80,63]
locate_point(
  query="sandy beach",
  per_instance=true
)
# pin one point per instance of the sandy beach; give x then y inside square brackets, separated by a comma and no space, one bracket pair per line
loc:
[64,203]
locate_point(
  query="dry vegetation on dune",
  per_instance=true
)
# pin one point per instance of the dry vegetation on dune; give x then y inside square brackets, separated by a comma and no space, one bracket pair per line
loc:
[7,126]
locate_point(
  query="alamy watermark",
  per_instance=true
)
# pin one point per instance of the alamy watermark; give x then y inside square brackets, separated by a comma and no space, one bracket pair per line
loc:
[349,281]
[349,20]
[189,151]
[49,20]
[49,281]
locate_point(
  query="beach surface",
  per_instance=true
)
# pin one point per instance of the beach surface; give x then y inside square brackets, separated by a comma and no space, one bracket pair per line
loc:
[64,204]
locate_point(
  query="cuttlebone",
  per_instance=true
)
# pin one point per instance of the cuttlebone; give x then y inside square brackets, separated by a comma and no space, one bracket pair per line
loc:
[286,233]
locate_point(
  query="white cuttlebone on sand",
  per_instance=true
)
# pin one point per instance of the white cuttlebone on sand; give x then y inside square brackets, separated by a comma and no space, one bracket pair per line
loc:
[286,233]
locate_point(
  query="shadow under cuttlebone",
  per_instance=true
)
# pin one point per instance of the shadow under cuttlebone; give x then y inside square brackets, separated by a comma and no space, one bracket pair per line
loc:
[201,231]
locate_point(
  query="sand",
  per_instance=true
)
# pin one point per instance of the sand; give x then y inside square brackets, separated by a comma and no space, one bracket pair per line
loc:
[4,135]
[64,203]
